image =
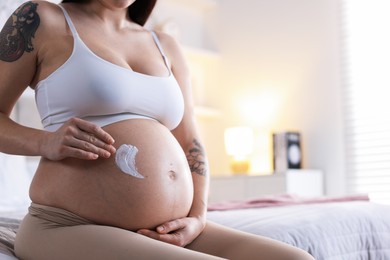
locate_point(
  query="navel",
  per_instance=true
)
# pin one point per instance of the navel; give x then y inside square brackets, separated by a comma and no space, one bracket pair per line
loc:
[172,175]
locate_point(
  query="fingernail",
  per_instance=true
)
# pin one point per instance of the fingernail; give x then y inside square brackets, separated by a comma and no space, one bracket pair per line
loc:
[160,229]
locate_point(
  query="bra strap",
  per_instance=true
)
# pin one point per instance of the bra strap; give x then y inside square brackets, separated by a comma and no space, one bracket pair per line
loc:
[69,21]
[157,41]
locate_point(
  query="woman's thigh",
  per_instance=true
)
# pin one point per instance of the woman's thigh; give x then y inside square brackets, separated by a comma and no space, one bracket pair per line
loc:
[233,244]
[38,240]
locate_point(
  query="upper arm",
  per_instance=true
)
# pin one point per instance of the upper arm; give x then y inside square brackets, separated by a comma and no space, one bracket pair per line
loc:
[18,54]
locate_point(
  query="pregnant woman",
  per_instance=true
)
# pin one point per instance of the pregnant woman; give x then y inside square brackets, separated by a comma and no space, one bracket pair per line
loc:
[123,174]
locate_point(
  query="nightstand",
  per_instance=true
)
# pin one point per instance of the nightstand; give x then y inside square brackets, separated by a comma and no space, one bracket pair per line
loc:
[303,182]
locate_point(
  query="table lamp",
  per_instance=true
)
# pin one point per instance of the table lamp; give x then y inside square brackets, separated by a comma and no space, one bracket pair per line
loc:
[239,145]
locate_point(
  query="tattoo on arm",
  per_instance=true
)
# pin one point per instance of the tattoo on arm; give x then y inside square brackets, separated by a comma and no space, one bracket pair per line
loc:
[197,159]
[17,33]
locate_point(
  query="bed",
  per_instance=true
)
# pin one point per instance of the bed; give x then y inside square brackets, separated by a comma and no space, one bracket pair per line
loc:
[8,228]
[327,229]
[15,178]
[349,227]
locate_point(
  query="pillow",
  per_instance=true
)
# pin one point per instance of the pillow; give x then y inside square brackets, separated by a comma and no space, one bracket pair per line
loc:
[15,180]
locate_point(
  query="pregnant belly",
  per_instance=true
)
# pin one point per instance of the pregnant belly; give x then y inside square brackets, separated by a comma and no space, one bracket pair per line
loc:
[102,192]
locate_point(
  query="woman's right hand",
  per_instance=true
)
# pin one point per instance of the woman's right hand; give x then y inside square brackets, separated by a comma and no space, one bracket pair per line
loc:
[77,138]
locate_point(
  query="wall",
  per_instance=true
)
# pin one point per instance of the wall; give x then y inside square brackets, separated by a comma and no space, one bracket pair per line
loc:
[280,59]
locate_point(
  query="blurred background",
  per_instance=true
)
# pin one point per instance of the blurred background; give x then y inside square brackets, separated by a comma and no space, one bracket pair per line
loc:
[316,67]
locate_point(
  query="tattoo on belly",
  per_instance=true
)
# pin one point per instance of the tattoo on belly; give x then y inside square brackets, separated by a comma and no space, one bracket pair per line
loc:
[197,159]
[17,33]
[125,160]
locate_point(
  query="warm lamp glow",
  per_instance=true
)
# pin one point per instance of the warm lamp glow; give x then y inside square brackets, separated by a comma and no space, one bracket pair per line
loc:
[239,141]
[239,145]
[265,100]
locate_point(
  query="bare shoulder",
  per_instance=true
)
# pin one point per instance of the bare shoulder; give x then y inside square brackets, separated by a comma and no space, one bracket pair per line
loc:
[170,44]
[26,27]
[174,52]
[39,12]
[50,15]
[46,8]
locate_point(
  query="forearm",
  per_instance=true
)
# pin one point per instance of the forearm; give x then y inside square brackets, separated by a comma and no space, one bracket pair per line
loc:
[18,139]
[198,164]
[199,204]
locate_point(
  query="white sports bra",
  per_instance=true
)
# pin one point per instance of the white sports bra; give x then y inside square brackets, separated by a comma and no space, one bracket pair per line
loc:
[91,88]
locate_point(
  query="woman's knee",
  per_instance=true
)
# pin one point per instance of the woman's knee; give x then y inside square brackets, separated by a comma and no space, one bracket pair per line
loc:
[300,254]
[274,250]
[233,244]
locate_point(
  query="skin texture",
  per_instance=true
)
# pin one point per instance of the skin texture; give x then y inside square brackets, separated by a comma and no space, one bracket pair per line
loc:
[77,172]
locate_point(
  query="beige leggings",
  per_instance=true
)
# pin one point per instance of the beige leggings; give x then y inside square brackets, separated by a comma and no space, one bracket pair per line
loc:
[53,233]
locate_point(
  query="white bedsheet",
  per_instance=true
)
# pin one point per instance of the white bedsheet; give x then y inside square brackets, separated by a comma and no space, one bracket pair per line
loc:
[330,231]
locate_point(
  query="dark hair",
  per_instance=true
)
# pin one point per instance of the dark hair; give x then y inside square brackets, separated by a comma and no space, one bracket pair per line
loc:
[139,11]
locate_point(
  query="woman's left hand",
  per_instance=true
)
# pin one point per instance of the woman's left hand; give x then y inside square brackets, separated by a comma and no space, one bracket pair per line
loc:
[180,232]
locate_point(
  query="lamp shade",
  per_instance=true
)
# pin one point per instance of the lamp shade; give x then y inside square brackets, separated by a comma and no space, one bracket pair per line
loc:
[239,141]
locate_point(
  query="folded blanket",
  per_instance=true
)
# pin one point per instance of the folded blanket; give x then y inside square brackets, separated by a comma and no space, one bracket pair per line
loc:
[281,200]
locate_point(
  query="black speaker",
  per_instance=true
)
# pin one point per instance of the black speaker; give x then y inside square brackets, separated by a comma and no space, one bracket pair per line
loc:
[287,152]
